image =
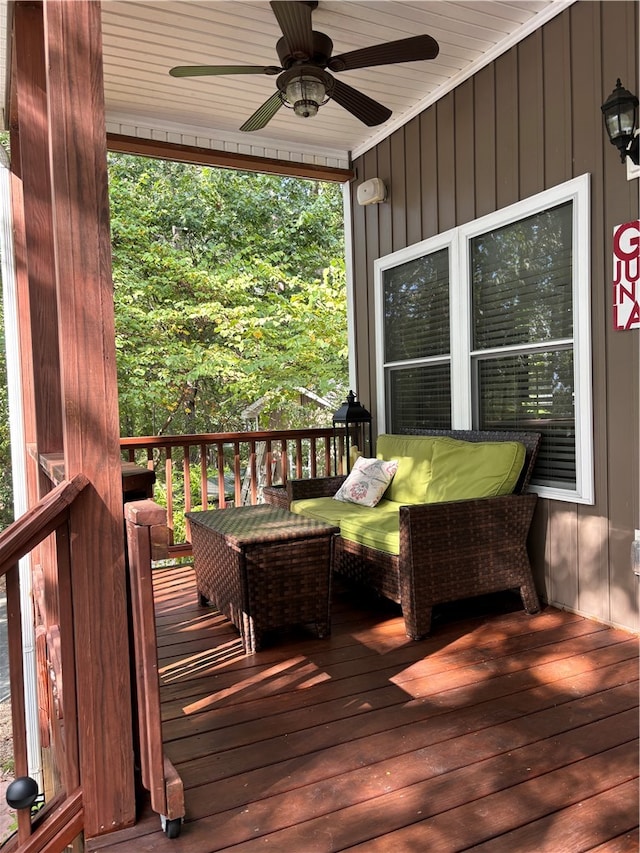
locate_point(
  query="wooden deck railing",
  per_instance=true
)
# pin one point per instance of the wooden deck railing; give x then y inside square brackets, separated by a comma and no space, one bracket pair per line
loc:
[62,819]
[222,469]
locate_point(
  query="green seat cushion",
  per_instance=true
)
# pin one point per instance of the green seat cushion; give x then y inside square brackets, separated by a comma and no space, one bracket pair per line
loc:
[378,527]
[413,452]
[461,470]
[334,512]
[323,509]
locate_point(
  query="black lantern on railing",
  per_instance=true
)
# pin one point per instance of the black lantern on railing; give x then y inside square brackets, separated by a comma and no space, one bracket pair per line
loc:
[351,434]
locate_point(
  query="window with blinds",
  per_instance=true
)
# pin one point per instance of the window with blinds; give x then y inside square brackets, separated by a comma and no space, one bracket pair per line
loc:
[416,308]
[522,313]
[417,342]
[488,326]
[533,391]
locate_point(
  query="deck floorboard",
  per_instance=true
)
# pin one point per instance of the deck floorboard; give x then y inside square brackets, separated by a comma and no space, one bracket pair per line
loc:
[499,732]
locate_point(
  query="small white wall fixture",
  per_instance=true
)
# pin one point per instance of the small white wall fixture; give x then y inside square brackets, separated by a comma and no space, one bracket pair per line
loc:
[372,191]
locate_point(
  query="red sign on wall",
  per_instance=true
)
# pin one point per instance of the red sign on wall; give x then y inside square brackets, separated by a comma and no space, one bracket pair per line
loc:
[626,276]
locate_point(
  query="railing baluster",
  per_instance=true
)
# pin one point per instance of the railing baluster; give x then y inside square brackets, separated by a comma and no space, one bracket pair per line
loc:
[299,459]
[186,477]
[313,457]
[284,460]
[204,485]
[268,456]
[253,468]
[341,461]
[222,498]
[67,674]
[168,472]
[237,474]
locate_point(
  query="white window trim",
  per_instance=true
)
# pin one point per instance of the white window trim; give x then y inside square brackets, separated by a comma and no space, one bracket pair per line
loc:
[457,240]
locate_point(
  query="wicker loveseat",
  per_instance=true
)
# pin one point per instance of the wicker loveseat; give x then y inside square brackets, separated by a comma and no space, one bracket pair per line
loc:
[445,551]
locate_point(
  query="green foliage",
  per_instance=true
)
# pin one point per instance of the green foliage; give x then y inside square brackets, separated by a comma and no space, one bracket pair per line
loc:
[229,287]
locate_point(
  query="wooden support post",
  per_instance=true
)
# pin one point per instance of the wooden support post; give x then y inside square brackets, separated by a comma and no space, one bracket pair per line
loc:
[77,143]
[33,159]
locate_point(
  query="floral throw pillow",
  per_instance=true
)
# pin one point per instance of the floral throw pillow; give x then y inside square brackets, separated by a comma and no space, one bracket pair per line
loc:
[367,481]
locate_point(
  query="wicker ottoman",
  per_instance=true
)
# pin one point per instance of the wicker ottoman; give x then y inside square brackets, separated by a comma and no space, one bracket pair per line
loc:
[264,568]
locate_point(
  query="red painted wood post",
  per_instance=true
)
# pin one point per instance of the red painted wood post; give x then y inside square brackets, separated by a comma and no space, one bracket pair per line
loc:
[77,141]
[39,263]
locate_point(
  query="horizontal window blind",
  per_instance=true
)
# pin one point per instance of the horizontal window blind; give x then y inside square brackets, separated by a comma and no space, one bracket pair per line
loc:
[533,391]
[522,281]
[419,397]
[416,308]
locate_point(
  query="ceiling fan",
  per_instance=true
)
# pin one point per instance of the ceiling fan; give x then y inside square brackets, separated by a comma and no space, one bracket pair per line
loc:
[304,83]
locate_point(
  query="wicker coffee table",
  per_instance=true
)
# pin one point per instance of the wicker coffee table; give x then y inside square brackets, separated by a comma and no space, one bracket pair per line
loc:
[264,568]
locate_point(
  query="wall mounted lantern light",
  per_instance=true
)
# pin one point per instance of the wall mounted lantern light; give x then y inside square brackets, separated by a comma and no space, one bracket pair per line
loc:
[620,112]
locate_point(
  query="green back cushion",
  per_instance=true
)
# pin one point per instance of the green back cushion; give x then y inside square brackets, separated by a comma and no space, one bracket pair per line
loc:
[461,470]
[413,452]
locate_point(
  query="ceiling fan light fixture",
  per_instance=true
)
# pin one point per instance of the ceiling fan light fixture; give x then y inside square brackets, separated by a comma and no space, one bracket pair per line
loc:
[304,90]
[305,95]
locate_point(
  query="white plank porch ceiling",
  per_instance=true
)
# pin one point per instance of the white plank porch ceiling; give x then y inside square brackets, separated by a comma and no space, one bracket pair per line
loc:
[143,39]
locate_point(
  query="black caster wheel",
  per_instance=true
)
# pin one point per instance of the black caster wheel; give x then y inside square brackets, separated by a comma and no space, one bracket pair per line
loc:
[171,828]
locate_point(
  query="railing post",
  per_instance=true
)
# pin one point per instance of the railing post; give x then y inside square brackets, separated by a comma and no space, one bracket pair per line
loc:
[147,540]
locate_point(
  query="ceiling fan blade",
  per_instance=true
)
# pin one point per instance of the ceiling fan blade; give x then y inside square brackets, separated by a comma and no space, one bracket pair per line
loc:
[214,70]
[263,114]
[363,107]
[294,19]
[389,53]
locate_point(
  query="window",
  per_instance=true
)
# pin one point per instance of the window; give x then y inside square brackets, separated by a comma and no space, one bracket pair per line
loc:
[416,340]
[488,327]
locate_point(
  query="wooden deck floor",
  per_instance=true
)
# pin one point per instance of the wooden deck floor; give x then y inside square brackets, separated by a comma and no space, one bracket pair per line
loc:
[502,732]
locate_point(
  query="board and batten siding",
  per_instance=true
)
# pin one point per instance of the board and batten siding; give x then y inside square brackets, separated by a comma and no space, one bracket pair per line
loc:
[523,124]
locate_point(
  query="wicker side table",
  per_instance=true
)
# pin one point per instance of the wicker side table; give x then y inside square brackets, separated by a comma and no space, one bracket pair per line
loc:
[264,568]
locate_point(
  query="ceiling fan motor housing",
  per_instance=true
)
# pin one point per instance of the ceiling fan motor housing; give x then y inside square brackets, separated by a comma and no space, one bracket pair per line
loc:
[322,48]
